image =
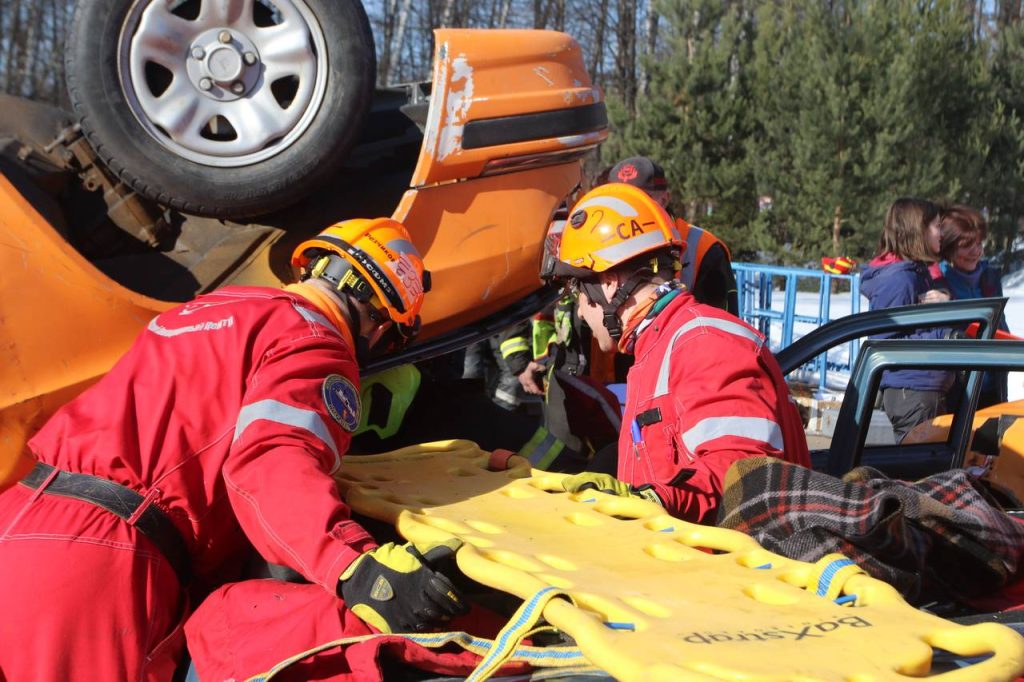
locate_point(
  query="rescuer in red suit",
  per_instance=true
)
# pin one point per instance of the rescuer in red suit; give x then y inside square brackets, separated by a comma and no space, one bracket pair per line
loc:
[216,433]
[704,390]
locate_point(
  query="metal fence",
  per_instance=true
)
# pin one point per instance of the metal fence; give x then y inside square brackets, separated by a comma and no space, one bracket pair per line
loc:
[757,287]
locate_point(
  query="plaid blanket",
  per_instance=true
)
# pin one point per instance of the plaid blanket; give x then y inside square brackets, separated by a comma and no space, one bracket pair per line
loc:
[941,538]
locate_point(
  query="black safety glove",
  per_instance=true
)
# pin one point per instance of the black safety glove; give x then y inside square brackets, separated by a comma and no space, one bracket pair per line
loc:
[607,483]
[395,588]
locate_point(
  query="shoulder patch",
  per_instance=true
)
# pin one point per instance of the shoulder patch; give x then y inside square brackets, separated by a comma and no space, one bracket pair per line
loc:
[342,400]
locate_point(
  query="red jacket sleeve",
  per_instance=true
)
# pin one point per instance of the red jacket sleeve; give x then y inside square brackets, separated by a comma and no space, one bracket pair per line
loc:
[731,416]
[286,444]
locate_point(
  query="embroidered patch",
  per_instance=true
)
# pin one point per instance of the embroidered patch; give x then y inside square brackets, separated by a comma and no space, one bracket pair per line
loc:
[342,401]
[382,590]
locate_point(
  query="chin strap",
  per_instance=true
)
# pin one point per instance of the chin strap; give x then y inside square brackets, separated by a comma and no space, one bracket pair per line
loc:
[611,308]
[394,339]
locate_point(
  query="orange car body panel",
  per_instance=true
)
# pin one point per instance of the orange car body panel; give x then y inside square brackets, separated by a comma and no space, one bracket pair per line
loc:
[482,250]
[481,75]
[64,323]
[1005,469]
[478,215]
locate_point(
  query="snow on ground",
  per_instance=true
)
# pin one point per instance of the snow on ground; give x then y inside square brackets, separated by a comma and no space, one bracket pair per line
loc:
[1015,320]
[841,305]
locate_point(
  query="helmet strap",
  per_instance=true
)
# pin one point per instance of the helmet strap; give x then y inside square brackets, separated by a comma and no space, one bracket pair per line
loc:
[342,276]
[396,337]
[627,287]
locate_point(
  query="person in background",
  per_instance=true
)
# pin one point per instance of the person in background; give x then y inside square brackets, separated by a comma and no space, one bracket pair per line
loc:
[707,265]
[964,231]
[899,276]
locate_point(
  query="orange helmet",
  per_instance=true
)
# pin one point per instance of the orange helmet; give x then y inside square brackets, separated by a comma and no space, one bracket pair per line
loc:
[373,260]
[610,225]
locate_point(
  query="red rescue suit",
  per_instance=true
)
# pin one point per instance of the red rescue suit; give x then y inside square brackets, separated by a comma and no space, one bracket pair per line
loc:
[229,413]
[704,391]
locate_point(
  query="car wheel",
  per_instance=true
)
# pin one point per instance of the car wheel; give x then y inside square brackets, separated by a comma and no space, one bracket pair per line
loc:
[221,107]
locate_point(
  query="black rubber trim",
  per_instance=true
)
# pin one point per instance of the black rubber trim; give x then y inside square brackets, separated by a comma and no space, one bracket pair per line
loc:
[491,132]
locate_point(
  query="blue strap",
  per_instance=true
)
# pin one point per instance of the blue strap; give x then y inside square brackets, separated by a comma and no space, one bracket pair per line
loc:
[829,574]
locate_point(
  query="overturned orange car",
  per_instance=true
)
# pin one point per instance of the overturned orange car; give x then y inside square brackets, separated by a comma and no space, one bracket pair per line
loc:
[473,163]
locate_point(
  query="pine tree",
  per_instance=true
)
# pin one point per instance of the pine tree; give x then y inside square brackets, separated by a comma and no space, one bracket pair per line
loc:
[695,115]
[860,112]
[1002,179]
[806,123]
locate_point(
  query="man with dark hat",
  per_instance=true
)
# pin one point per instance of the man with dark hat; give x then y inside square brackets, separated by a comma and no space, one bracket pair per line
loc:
[708,270]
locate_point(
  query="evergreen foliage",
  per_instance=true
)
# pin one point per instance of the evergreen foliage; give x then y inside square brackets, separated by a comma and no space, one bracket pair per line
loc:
[833,110]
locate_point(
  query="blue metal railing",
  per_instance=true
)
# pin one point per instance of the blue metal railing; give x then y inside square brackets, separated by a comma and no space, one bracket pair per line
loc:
[756,285]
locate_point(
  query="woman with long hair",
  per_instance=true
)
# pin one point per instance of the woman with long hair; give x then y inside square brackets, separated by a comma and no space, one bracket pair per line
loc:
[898,276]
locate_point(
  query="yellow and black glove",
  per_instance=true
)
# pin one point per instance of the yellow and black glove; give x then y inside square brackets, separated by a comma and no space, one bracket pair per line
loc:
[395,588]
[607,483]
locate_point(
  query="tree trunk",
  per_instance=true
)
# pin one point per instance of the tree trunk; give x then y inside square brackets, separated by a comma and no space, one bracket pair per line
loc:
[597,57]
[5,13]
[691,46]
[387,35]
[650,42]
[395,50]
[446,14]
[837,226]
[12,82]
[503,15]
[540,12]
[559,8]
[625,63]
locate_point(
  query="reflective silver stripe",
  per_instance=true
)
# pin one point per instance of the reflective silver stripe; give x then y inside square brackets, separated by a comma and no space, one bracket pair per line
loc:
[313,317]
[156,328]
[289,415]
[617,205]
[735,328]
[556,227]
[587,389]
[531,444]
[545,452]
[517,344]
[617,253]
[402,246]
[754,428]
[688,275]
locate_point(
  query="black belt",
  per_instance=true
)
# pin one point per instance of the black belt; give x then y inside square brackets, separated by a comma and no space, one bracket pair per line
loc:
[121,501]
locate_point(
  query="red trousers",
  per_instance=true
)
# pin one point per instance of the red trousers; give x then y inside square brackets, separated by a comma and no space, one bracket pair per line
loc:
[84,595]
[246,628]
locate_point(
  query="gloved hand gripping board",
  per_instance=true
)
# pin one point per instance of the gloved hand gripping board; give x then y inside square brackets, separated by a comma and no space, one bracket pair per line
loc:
[651,600]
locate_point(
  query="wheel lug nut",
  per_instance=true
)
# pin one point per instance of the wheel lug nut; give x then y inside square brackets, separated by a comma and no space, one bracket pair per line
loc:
[224,36]
[249,58]
[198,52]
[205,83]
[237,87]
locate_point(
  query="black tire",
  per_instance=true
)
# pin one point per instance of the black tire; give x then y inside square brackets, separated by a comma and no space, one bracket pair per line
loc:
[156,171]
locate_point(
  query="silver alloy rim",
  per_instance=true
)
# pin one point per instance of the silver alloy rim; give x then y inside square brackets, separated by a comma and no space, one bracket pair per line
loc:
[222,66]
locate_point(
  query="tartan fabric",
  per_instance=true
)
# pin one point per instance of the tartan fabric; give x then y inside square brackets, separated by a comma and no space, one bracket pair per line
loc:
[941,538]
